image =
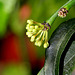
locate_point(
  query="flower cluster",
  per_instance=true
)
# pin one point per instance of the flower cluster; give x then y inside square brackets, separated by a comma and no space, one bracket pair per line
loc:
[62,12]
[38,32]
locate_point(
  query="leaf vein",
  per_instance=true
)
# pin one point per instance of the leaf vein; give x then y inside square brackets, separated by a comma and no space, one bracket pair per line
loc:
[69,59]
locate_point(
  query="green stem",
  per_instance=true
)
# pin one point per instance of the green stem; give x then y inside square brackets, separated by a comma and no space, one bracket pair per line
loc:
[52,18]
[68,5]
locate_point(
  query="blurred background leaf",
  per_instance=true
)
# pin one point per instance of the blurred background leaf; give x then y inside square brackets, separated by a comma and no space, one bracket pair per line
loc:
[12,69]
[6,7]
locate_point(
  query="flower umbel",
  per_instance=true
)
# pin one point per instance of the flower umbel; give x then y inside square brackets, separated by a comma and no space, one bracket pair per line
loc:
[38,32]
[62,12]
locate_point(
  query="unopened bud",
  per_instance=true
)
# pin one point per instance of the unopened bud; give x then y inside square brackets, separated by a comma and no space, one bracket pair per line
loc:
[62,12]
[32,38]
[30,21]
[46,45]
[39,43]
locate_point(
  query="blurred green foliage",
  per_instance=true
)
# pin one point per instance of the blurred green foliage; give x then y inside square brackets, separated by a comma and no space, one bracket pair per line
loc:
[13,69]
[6,7]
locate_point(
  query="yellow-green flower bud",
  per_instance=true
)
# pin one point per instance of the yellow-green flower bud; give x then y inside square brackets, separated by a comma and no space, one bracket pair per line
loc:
[32,38]
[29,30]
[28,26]
[46,44]
[30,21]
[38,31]
[36,27]
[39,43]
[37,39]
[32,27]
[34,30]
[36,43]
[29,35]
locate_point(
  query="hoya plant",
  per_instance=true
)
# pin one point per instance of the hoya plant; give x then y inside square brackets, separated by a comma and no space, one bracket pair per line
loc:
[60,46]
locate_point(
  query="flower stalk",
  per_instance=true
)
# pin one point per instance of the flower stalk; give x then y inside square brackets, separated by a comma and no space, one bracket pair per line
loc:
[39,31]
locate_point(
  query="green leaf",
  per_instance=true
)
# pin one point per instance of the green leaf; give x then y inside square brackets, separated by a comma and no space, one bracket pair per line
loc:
[41,72]
[6,7]
[58,42]
[69,61]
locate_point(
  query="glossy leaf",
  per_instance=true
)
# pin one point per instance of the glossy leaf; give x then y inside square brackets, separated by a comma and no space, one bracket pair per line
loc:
[69,61]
